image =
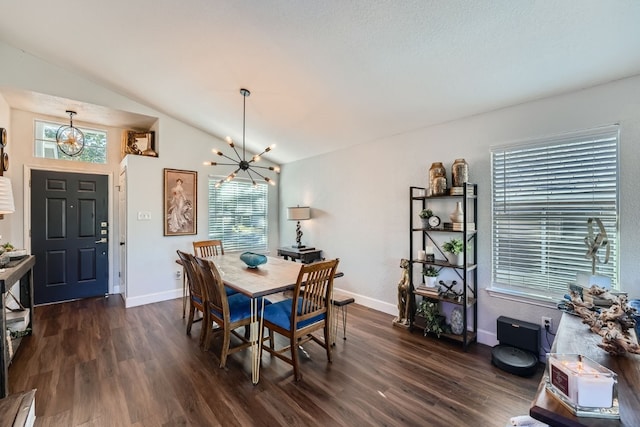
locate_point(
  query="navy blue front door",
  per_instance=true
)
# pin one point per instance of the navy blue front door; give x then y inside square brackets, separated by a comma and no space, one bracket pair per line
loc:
[69,214]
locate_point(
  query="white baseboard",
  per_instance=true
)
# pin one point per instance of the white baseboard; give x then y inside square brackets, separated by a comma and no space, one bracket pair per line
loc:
[375,304]
[487,338]
[151,298]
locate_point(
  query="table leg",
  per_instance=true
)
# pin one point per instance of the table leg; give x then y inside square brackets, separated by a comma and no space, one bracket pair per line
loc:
[334,323]
[184,294]
[257,304]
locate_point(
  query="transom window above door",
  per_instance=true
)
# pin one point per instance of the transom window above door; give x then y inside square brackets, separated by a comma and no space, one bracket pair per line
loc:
[95,150]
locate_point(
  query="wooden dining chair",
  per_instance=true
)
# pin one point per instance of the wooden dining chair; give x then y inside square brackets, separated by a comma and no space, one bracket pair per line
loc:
[197,293]
[207,248]
[306,312]
[228,312]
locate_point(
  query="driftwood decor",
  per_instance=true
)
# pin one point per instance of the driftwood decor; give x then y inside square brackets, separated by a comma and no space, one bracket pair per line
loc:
[614,324]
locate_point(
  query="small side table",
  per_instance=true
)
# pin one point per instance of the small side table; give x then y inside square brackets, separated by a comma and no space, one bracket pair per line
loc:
[306,255]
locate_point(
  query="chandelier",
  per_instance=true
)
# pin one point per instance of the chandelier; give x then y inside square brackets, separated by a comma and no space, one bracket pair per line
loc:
[243,164]
[70,139]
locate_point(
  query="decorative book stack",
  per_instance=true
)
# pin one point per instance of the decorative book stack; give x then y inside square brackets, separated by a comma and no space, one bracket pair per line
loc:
[427,291]
[459,226]
[459,191]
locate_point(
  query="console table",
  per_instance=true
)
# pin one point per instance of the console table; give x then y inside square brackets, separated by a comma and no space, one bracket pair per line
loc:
[22,272]
[574,337]
[306,255]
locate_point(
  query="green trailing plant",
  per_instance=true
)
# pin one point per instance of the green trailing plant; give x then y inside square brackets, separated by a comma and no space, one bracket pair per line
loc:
[430,271]
[432,318]
[453,246]
[426,213]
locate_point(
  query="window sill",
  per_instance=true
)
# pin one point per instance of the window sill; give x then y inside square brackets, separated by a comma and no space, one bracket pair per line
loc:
[511,295]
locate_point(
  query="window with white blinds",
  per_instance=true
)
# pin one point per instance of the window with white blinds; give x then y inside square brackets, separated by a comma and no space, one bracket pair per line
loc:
[238,214]
[543,194]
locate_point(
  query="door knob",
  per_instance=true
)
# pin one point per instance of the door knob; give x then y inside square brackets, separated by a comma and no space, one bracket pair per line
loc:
[103,240]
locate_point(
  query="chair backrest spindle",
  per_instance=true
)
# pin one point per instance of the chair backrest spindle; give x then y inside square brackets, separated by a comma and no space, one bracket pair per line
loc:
[207,248]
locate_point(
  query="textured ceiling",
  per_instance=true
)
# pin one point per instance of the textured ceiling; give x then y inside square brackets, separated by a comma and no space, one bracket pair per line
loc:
[325,75]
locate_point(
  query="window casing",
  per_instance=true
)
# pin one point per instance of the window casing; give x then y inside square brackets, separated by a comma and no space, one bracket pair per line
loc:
[238,214]
[543,193]
[45,146]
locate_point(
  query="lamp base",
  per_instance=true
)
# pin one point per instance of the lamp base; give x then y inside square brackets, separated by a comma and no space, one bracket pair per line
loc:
[298,246]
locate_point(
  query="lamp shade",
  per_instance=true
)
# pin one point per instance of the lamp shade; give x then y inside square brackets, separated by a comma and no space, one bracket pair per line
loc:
[6,196]
[299,213]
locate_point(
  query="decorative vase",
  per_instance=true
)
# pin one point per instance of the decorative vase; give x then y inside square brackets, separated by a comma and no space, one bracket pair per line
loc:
[457,321]
[458,214]
[455,259]
[459,172]
[430,281]
[437,179]
[425,222]
[253,260]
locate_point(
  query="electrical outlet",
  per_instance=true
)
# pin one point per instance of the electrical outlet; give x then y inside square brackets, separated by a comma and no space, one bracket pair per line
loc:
[547,323]
[178,274]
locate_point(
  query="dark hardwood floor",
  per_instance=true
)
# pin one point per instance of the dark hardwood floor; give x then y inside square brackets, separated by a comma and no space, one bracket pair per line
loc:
[96,363]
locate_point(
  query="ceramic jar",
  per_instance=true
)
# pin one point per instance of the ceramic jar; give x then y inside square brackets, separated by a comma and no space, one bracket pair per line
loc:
[458,214]
[459,173]
[437,179]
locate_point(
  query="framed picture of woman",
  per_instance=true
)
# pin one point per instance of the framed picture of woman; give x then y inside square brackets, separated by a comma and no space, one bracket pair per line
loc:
[180,202]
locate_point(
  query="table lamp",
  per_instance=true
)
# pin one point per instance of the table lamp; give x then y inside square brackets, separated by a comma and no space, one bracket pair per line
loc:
[298,213]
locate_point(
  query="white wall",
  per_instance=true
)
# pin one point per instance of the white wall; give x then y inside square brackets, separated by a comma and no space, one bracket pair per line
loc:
[360,202]
[151,256]
[5,121]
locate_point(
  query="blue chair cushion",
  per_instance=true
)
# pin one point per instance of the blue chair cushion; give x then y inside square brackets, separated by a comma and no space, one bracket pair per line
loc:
[230,291]
[280,315]
[196,299]
[240,307]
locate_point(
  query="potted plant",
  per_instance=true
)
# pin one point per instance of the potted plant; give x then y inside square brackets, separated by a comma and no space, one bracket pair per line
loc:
[425,214]
[430,275]
[433,320]
[454,247]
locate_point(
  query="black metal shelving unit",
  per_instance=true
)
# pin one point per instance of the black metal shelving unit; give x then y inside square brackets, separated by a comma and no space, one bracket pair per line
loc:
[467,272]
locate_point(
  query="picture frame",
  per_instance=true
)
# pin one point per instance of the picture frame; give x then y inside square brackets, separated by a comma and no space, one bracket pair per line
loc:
[141,143]
[180,202]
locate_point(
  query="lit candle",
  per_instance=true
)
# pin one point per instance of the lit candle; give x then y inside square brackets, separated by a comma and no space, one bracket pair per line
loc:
[582,384]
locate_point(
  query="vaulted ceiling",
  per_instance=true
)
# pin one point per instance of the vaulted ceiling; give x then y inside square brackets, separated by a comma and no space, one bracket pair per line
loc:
[325,75]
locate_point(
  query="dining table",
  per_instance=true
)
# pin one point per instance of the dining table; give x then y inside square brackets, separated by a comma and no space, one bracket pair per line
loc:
[275,276]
